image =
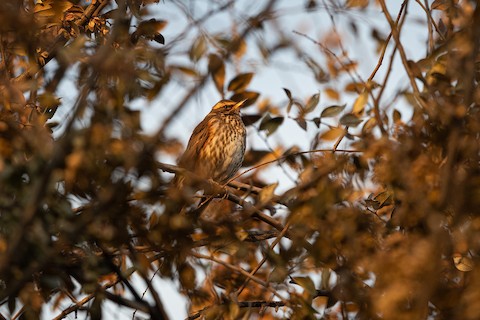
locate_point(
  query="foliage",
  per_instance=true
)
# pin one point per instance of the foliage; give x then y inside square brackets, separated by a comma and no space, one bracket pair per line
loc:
[386,228]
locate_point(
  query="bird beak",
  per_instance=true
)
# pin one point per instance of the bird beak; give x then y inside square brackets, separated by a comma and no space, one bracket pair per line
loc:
[238,105]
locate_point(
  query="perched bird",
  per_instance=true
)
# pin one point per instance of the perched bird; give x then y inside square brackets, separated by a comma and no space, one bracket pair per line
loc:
[217,145]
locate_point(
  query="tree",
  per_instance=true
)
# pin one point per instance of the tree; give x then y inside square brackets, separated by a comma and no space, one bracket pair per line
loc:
[385,228]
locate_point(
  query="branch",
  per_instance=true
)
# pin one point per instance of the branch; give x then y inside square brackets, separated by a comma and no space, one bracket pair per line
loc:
[241,271]
[255,22]
[264,259]
[403,55]
[62,39]
[245,304]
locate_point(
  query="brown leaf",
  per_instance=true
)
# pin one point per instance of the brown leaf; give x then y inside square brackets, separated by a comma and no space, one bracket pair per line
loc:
[312,103]
[362,4]
[216,67]
[250,119]
[198,48]
[332,93]
[240,82]
[254,156]
[250,96]
[270,124]
[332,111]
[350,120]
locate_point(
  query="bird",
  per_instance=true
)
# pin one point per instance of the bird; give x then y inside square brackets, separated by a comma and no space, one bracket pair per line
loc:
[216,147]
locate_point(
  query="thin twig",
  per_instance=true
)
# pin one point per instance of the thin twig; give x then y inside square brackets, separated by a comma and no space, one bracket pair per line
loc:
[241,271]
[264,259]
[401,50]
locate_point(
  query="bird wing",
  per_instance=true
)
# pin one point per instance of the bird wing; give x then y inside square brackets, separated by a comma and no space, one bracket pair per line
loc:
[203,132]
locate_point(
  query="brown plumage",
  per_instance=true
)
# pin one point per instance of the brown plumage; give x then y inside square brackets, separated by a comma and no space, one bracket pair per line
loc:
[217,145]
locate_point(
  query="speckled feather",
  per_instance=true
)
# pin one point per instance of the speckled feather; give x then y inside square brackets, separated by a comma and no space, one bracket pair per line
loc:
[217,145]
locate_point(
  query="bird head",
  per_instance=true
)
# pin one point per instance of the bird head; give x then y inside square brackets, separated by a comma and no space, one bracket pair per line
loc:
[228,106]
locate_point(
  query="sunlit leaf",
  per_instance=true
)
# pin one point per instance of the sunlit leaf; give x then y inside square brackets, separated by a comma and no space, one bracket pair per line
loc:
[267,193]
[397,116]
[332,93]
[354,87]
[240,82]
[332,134]
[463,262]
[362,4]
[360,103]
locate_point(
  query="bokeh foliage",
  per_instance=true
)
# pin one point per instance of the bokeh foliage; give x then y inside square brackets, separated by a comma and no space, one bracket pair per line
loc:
[386,228]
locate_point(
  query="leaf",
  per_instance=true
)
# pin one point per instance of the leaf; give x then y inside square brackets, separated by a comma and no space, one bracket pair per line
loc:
[369,125]
[440,5]
[185,70]
[462,262]
[216,67]
[350,120]
[198,48]
[397,116]
[288,93]
[362,4]
[317,121]
[267,193]
[254,156]
[354,87]
[383,199]
[360,103]
[332,134]
[270,124]
[301,123]
[250,96]
[332,111]
[312,103]
[332,93]
[250,119]
[240,82]
[306,283]
[149,30]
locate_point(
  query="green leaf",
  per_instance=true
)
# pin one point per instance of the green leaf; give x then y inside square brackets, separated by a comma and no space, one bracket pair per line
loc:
[240,82]
[332,111]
